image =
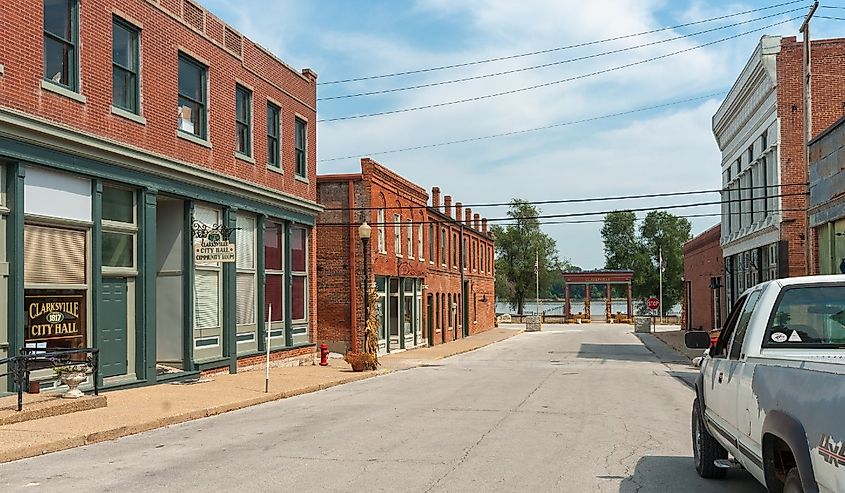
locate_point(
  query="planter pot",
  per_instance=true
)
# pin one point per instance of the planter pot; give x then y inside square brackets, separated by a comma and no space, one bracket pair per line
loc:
[359,366]
[73,380]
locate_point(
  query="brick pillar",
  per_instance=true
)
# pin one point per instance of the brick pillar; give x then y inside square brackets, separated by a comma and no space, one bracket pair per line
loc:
[484,225]
[468,217]
[608,304]
[567,308]
[435,198]
[630,302]
[587,302]
[476,221]
[459,211]
[447,205]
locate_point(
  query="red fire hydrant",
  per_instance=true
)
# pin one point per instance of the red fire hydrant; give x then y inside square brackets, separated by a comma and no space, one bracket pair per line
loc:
[324,355]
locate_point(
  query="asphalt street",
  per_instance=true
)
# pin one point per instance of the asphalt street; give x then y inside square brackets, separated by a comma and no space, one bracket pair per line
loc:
[578,408]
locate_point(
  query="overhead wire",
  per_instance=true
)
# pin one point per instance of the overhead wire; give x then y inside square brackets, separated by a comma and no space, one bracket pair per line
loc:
[569,214]
[578,200]
[560,48]
[551,64]
[555,82]
[527,130]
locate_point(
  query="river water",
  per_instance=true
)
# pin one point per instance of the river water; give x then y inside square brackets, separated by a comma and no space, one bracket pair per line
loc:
[556,307]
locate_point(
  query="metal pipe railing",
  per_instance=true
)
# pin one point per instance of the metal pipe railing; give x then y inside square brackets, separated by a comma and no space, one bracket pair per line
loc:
[29,359]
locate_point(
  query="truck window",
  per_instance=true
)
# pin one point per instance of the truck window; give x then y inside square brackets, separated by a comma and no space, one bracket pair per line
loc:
[742,325]
[720,350]
[808,316]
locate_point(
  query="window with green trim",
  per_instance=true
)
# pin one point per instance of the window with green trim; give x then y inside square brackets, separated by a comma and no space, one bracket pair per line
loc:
[125,66]
[273,134]
[192,96]
[301,147]
[60,42]
[243,119]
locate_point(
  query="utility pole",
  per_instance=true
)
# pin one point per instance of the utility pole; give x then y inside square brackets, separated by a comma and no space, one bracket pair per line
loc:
[809,257]
[660,269]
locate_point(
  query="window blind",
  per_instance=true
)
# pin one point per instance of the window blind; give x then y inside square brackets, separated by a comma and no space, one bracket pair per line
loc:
[246,299]
[206,299]
[245,242]
[54,255]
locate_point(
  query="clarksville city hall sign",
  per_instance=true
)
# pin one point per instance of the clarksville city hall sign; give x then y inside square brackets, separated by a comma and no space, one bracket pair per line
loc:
[211,243]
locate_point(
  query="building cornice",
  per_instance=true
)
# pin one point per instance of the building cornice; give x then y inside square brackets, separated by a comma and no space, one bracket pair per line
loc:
[41,132]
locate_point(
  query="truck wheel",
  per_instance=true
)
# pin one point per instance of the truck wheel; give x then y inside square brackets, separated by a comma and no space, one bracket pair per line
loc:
[793,482]
[705,448]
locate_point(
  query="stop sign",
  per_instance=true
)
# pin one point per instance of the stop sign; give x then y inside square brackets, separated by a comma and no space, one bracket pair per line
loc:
[653,303]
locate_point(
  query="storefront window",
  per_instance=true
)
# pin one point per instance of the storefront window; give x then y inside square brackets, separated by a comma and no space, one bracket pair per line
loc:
[299,272]
[381,285]
[246,274]
[274,270]
[119,227]
[207,282]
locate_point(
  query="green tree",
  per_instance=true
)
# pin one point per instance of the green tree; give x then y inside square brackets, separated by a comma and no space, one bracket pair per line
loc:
[621,247]
[517,247]
[625,249]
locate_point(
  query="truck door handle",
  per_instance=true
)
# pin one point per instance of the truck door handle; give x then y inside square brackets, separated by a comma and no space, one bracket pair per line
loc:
[721,375]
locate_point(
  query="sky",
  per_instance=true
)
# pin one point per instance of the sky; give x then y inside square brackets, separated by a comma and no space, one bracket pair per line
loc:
[666,149]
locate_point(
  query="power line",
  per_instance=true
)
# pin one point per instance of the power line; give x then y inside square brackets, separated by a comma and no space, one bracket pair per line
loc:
[550,64]
[566,215]
[686,216]
[528,130]
[578,200]
[547,84]
[560,48]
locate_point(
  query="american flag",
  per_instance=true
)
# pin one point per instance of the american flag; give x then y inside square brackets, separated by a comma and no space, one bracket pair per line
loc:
[662,264]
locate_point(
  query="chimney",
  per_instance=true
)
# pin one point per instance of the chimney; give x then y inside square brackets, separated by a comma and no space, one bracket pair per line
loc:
[459,211]
[447,205]
[476,221]
[468,217]
[484,225]
[435,198]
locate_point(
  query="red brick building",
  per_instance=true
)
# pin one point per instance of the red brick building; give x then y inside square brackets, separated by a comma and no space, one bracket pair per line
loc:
[413,258]
[759,129]
[704,280]
[136,137]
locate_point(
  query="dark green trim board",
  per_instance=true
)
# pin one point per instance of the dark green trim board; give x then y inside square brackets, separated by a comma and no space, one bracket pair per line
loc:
[230,300]
[188,287]
[148,266]
[96,263]
[14,256]
[260,223]
[288,289]
[57,159]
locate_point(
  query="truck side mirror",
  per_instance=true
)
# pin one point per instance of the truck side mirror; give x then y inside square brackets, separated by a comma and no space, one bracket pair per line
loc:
[697,339]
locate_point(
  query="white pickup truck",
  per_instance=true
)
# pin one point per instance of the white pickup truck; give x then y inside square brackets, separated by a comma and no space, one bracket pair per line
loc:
[771,393]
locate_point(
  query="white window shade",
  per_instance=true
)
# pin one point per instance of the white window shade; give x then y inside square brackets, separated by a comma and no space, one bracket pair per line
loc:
[54,255]
[206,299]
[54,194]
[245,242]
[246,299]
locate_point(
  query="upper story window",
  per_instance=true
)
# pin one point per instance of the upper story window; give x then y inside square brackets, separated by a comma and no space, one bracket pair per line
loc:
[301,147]
[273,135]
[420,247]
[382,248]
[243,120]
[431,238]
[397,234]
[192,96]
[125,67]
[60,39]
[410,238]
[443,250]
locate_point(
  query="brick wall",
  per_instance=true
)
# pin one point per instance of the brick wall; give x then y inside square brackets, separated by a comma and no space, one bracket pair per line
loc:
[339,297]
[828,103]
[164,33]
[702,262]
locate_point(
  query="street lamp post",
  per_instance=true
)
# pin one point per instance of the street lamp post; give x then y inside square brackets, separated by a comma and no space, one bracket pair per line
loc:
[364,231]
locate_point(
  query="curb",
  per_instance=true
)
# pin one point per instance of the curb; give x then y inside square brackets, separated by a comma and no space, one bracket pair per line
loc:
[124,431]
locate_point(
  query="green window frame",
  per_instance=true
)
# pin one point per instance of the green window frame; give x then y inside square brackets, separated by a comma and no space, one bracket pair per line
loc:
[243,120]
[193,95]
[300,144]
[125,66]
[61,37]
[273,136]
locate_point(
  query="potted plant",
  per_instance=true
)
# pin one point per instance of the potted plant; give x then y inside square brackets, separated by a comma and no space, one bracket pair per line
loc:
[72,376]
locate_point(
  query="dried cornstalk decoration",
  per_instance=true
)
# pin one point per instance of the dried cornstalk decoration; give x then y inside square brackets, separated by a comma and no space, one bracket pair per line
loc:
[372,329]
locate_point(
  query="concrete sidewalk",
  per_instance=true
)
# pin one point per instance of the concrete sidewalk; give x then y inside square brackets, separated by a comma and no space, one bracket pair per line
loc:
[142,409]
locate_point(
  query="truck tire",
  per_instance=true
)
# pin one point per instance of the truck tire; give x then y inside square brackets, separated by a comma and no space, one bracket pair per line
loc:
[792,484]
[706,449]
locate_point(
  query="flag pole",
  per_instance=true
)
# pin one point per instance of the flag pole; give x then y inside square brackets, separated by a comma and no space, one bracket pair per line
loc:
[660,268]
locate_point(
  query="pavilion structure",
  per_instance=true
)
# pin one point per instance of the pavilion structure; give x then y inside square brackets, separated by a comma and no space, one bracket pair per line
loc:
[607,278]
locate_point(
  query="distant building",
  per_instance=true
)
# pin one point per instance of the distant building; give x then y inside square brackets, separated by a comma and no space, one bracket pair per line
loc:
[759,129]
[827,199]
[704,280]
[126,129]
[413,257]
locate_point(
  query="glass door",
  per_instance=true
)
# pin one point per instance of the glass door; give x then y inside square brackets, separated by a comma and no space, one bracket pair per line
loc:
[393,314]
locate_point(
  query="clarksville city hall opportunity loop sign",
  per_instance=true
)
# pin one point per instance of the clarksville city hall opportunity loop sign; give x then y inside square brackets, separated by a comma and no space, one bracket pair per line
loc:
[211,243]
